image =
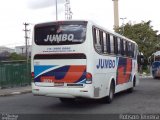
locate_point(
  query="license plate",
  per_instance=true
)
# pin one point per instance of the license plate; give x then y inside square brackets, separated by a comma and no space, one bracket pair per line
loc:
[47,79]
[58,84]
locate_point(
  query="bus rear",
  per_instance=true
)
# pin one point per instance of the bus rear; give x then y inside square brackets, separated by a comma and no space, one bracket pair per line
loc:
[59,64]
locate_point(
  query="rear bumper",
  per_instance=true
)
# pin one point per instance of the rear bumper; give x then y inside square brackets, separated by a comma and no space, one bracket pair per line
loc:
[63,92]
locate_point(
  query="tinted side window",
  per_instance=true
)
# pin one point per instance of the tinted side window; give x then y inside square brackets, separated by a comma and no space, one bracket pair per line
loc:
[122,46]
[97,40]
[108,43]
[127,50]
[119,45]
[94,36]
[130,51]
[105,42]
[133,49]
[115,45]
[101,40]
[111,44]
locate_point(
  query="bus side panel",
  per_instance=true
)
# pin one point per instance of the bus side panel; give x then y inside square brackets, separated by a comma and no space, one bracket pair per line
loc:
[104,72]
[119,69]
[124,71]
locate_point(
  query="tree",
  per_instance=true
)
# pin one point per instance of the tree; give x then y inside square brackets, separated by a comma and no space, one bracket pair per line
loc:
[143,34]
[15,56]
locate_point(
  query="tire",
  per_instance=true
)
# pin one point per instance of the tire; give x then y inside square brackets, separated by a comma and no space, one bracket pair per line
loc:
[110,97]
[154,75]
[67,100]
[130,90]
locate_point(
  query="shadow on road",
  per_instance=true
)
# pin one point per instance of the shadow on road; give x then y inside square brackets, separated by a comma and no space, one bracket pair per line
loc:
[81,104]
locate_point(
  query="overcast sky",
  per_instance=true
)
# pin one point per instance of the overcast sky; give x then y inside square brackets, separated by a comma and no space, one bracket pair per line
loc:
[15,12]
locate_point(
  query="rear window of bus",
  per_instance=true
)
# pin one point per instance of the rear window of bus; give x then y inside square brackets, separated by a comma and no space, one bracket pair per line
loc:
[56,33]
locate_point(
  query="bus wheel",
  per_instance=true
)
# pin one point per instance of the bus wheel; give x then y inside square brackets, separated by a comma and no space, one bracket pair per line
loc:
[110,97]
[130,90]
[154,77]
[67,100]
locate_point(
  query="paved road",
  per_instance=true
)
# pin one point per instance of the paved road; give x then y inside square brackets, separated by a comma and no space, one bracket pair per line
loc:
[145,99]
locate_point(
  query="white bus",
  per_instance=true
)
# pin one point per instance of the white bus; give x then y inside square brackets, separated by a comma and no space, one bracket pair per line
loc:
[79,59]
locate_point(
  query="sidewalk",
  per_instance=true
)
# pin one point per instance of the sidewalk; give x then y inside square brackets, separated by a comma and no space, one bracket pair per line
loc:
[145,76]
[15,91]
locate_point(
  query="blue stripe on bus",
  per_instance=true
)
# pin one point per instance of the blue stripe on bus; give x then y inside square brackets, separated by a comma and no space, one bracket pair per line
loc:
[41,68]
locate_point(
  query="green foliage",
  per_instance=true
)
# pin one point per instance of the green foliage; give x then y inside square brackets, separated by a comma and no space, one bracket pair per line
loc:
[15,56]
[144,35]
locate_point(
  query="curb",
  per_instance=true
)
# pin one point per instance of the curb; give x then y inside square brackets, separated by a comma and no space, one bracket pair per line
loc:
[15,93]
[145,76]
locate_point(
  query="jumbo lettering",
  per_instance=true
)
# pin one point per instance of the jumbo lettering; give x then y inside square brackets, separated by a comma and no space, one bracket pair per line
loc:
[105,63]
[58,38]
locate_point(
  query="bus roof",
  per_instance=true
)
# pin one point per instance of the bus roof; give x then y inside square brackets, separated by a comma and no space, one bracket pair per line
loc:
[112,32]
[157,53]
[90,22]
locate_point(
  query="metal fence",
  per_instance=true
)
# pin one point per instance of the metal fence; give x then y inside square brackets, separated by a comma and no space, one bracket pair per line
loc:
[14,73]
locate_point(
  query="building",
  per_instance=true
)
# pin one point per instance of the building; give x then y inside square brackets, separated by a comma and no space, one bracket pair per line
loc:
[22,50]
[6,49]
[5,52]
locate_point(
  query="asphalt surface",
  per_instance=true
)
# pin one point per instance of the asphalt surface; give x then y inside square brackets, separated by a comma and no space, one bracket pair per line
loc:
[145,99]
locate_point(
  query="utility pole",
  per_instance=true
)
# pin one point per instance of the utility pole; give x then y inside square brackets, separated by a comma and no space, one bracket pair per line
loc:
[116,14]
[56,11]
[26,43]
[22,50]
[26,38]
[68,12]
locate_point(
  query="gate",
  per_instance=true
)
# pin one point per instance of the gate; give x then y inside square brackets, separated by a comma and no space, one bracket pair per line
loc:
[15,73]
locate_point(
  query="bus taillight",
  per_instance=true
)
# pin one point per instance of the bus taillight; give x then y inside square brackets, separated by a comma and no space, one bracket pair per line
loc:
[88,78]
[32,75]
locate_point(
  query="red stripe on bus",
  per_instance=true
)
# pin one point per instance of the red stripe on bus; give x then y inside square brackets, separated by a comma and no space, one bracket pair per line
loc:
[73,74]
[124,72]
